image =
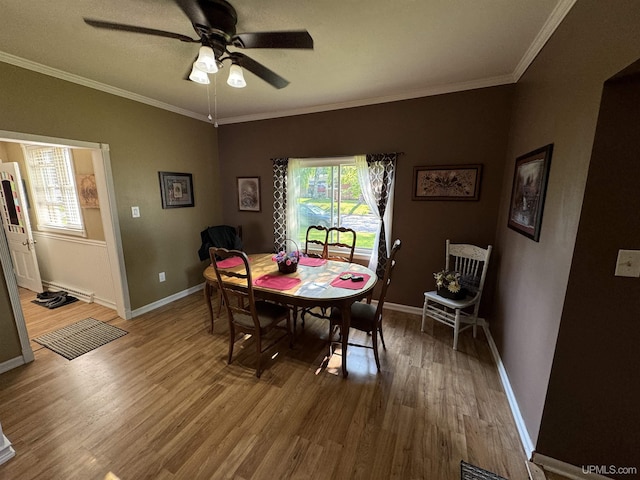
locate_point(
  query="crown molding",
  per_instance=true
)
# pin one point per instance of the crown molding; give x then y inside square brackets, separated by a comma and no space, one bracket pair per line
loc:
[85,82]
[437,90]
[554,20]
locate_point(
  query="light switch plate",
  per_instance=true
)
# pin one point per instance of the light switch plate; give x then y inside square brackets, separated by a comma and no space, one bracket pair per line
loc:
[628,263]
[135,212]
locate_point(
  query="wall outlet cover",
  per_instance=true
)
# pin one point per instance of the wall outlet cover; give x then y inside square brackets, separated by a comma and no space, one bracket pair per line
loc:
[628,263]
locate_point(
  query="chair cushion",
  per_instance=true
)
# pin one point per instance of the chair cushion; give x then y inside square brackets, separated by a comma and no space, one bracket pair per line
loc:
[448,302]
[362,316]
[268,314]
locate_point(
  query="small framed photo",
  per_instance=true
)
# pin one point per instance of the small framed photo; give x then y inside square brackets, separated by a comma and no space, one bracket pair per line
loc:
[528,192]
[249,194]
[176,189]
[447,182]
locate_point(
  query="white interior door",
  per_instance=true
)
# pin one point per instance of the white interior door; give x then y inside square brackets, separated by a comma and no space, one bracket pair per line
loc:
[17,227]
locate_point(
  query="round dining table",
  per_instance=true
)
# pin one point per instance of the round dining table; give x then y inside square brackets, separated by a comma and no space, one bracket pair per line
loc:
[315,283]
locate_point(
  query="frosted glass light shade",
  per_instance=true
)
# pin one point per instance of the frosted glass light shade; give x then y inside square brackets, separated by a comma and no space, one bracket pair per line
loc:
[206,60]
[198,76]
[236,77]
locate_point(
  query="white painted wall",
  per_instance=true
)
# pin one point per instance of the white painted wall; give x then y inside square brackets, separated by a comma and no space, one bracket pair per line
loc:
[76,263]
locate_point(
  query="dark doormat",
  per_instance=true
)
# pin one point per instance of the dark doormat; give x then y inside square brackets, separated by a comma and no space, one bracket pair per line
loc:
[54,301]
[79,338]
[471,472]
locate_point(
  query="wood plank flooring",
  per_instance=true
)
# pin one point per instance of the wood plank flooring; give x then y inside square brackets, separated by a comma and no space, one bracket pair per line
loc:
[162,403]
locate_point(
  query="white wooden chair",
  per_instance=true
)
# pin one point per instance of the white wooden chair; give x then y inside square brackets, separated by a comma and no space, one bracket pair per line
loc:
[472,263]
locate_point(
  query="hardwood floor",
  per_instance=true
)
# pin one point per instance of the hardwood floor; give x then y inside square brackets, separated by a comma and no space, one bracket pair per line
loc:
[162,403]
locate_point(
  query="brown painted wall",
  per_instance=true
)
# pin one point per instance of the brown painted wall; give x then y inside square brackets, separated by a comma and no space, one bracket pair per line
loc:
[143,140]
[466,127]
[9,340]
[557,101]
[594,391]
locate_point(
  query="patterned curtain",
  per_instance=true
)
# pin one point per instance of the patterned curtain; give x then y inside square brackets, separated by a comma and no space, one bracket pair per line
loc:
[382,168]
[279,202]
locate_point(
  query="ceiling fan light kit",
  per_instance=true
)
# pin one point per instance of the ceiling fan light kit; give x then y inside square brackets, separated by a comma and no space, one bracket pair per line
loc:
[215,23]
[236,77]
[198,76]
[206,60]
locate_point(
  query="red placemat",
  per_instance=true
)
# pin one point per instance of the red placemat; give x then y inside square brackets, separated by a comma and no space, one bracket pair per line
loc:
[338,282]
[312,262]
[230,262]
[276,282]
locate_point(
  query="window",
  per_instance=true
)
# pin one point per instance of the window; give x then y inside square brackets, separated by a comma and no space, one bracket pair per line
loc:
[327,192]
[53,188]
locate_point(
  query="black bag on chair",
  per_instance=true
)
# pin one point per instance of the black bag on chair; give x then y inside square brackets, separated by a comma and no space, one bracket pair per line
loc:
[220,236]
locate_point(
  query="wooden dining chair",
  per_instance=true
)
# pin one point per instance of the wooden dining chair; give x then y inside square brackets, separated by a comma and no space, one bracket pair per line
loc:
[336,249]
[248,315]
[365,316]
[339,248]
[471,262]
[219,236]
[315,241]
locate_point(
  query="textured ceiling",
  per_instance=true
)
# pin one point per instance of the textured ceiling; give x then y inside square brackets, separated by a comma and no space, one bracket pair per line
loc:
[366,51]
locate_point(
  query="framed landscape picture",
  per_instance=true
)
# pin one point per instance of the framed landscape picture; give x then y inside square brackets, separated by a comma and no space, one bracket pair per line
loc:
[447,182]
[176,189]
[249,194]
[528,192]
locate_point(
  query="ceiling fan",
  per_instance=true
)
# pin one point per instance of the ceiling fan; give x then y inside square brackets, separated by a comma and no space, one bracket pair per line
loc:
[215,23]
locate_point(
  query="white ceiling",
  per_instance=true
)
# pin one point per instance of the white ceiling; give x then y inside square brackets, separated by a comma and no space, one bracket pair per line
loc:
[366,51]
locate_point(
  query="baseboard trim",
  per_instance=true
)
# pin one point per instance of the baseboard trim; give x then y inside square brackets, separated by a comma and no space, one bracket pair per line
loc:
[525,438]
[6,450]
[12,363]
[165,301]
[565,469]
[400,308]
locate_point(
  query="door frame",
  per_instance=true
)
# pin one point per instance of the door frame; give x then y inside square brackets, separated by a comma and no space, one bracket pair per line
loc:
[111,225]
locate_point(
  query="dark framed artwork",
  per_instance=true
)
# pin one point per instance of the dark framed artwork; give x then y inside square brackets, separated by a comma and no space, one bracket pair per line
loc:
[249,194]
[176,189]
[528,192]
[447,182]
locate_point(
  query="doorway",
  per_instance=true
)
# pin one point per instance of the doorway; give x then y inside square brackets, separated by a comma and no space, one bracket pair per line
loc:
[99,154]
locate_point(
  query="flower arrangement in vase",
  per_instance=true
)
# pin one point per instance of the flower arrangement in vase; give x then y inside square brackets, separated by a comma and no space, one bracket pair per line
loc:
[448,284]
[287,261]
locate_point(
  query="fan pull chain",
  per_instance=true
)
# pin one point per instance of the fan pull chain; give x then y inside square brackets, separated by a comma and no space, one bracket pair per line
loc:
[213,119]
[215,100]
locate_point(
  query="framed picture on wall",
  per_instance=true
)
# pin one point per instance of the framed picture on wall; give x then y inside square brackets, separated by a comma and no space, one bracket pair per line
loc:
[248,194]
[87,191]
[447,182]
[176,189]
[528,192]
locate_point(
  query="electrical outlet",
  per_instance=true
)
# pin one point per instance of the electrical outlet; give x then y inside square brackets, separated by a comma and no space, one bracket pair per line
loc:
[628,263]
[162,277]
[135,212]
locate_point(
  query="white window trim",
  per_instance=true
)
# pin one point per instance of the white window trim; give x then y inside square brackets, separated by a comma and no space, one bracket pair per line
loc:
[78,232]
[359,253]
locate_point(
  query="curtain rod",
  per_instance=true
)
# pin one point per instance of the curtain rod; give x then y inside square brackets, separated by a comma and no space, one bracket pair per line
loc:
[336,156]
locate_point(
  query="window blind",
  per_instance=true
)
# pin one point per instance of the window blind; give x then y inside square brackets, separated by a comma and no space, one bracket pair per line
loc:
[53,187]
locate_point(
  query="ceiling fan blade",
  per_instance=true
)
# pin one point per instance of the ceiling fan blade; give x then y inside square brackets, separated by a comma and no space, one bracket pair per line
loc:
[143,30]
[259,70]
[290,39]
